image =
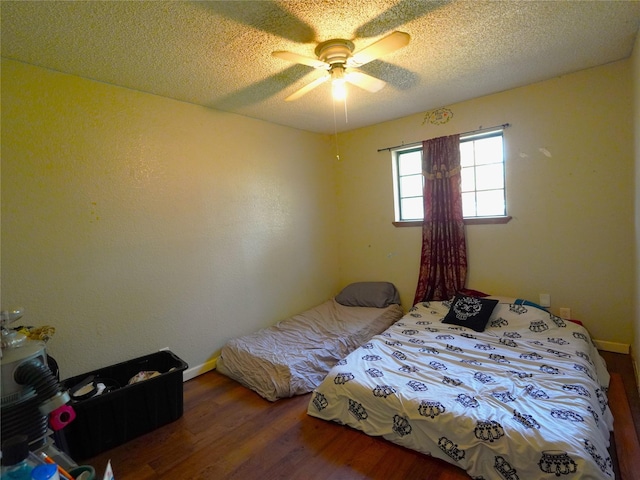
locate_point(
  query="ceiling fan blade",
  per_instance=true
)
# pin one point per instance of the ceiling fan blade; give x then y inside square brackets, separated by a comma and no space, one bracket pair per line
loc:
[307,88]
[364,81]
[398,77]
[301,59]
[261,90]
[392,42]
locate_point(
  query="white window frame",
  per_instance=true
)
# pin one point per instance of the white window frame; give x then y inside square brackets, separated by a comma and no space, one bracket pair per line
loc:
[468,220]
[397,183]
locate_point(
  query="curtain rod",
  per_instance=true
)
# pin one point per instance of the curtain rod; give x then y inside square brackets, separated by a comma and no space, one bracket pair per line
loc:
[479,130]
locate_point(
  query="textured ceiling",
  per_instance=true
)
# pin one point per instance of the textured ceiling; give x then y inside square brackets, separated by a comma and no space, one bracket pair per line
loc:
[218,54]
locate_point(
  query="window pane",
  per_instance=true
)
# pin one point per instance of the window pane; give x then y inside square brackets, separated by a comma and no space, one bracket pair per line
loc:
[411,208]
[468,179]
[411,186]
[482,178]
[466,154]
[469,204]
[490,203]
[410,163]
[489,177]
[488,150]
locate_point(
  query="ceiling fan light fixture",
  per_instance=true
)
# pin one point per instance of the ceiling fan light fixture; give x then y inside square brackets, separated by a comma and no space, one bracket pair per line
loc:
[338,83]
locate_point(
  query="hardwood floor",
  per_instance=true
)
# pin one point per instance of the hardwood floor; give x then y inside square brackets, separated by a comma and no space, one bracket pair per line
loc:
[625,407]
[229,432]
[622,365]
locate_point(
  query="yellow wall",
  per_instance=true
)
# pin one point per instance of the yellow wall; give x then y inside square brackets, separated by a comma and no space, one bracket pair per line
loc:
[572,230]
[133,222]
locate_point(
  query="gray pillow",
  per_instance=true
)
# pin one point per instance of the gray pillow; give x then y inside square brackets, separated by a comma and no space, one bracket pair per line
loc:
[368,294]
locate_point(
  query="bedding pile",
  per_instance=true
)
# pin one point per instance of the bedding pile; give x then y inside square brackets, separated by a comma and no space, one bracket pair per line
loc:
[293,356]
[522,398]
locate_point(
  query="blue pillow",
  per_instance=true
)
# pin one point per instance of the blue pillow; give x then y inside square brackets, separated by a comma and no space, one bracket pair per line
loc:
[520,301]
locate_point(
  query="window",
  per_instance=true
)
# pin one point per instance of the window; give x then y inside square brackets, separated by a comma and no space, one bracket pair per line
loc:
[482,172]
[409,181]
[482,163]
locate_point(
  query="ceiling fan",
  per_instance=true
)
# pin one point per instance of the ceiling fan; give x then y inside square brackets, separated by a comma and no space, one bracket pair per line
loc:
[337,58]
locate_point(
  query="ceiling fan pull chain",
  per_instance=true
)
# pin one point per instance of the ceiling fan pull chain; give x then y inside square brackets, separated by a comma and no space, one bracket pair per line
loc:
[335,131]
[346,117]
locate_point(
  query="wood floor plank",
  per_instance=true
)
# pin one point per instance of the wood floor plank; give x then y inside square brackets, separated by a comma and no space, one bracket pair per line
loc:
[623,429]
[229,432]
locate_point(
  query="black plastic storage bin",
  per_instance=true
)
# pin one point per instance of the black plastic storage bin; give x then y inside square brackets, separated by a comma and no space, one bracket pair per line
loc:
[126,411]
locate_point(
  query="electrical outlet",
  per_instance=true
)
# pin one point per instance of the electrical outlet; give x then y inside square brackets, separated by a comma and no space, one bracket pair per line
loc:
[565,312]
[545,300]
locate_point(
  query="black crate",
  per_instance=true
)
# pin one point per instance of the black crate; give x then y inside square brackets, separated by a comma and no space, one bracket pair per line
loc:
[127,411]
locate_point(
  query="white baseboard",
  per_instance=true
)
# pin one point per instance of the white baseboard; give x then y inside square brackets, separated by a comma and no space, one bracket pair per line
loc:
[193,372]
[611,346]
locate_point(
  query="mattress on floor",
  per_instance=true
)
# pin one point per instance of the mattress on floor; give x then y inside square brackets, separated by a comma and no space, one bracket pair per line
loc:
[522,398]
[293,356]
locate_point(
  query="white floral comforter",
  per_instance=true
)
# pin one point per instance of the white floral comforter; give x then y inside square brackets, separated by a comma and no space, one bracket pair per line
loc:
[525,399]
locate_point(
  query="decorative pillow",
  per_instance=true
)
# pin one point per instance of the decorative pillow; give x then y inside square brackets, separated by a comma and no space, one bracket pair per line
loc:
[470,312]
[368,294]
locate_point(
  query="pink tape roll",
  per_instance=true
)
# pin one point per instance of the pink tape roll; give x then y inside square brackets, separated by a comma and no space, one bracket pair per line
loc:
[61,417]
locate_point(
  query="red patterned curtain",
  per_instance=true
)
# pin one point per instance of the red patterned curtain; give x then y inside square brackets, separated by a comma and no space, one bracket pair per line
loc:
[443,263]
